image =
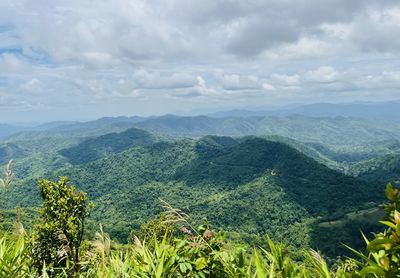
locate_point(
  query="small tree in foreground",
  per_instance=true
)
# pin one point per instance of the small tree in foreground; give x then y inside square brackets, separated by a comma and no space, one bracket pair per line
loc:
[56,240]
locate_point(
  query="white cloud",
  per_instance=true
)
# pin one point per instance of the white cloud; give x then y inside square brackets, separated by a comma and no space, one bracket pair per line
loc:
[203,89]
[137,31]
[377,31]
[285,79]
[11,63]
[73,53]
[162,80]
[238,82]
[268,87]
[31,85]
[323,74]
[304,48]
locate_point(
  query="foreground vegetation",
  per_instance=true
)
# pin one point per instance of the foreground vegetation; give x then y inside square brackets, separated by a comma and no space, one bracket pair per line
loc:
[170,246]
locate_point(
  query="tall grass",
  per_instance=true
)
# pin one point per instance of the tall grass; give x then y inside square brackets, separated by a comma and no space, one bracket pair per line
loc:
[9,177]
[15,260]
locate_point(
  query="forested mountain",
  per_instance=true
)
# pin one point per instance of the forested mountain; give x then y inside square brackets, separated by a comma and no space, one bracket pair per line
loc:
[76,129]
[97,125]
[248,185]
[10,151]
[333,131]
[336,142]
[41,146]
[94,148]
[379,170]
[326,130]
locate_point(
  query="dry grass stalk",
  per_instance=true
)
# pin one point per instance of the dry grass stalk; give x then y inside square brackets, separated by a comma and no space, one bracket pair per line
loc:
[9,177]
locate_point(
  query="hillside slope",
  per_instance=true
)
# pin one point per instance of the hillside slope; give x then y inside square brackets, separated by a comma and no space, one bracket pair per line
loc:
[95,148]
[380,170]
[11,151]
[251,185]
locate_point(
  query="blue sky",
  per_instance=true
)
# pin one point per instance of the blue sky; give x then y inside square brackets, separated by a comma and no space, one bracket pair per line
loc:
[81,59]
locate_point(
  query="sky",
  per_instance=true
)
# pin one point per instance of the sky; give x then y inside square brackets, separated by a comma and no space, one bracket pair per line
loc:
[84,59]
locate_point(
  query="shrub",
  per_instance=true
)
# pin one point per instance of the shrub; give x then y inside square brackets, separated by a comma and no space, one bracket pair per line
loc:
[57,239]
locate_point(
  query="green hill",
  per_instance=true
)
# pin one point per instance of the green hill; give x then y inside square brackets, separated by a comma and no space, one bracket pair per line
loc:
[95,148]
[11,151]
[335,142]
[251,186]
[380,170]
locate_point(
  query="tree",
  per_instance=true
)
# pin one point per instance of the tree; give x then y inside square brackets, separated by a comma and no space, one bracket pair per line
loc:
[56,240]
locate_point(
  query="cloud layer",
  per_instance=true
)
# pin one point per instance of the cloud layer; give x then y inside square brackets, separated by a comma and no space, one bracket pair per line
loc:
[151,57]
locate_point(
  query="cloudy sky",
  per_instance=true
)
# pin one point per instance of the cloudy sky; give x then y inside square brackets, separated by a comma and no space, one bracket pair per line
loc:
[82,59]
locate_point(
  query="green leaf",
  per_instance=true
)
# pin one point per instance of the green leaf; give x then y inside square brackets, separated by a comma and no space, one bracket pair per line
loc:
[182,267]
[260,271]
[200,263]
[372,270]
[391,192]
[389,224]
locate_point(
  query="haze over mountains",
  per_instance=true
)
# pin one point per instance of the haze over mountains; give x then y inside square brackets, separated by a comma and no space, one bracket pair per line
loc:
[387,111]
[368,110]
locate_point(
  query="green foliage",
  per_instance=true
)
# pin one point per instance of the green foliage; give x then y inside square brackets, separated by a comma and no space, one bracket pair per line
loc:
[383,259]
[277,263]
[57,239]
[153,229]
[183,251]
[200,252]
[14,257]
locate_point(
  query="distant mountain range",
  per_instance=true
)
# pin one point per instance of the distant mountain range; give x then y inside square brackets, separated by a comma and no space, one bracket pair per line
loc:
[330,140]
[327,130]
[388,111]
